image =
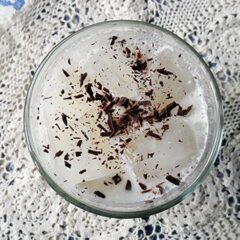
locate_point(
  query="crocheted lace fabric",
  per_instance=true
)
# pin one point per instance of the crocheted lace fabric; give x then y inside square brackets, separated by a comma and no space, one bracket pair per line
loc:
[30,209]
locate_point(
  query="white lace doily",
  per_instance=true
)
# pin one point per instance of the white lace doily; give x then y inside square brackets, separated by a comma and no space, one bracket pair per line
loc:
[30,209]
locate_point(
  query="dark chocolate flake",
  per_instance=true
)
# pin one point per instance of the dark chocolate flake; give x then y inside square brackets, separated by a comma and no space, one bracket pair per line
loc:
[82,78]
[65,73]
[183,112]
[69,61]
[85,135]
[142,186]
[116,179]
[149,93]
[64,119]
[113,39]
[173,180]
[99,194]
[164,72]
[78,154]
[82,171]
[154,135]
[58,154]
[128,185]
[67,98]
[94,152]
[79,143]
[67,164]
[66,157]
[88,88]
[79,96]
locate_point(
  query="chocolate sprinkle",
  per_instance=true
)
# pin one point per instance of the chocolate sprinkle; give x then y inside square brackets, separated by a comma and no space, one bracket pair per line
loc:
[65,73]
[99,194]
[173,180]
[117,179]
[58,154]
[128,185]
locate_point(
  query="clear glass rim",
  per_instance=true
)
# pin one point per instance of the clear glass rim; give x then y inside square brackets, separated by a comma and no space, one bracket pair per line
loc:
[122,214]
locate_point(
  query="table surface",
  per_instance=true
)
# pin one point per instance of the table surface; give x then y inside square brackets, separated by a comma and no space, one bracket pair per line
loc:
[30,209]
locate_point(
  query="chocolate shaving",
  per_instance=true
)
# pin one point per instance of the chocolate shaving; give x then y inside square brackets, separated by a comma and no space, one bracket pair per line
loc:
[149,93]
[102,128]
[99,194]
[150,155]
[106,134]
[165,127]
[173,180]
[47,146]
[154,135]
[88,88]
[164,72]
[142,186]
[78,154]
[67,164]
[147,190]
[85,135]
[66,157]
[94,152]
[79,96]
[82,171]
[46,151]
[110,158]
[145,175]
[159,186]
[64,119]
[98,96]
[183,112]
[116,179]
[79,143]
[47,98]
[165,112]
[128,52]
[123,102]
[128,186]
[69,61]
[67,98]
[58,154]
[114,38]
[99,85]
[128,140]
[82,78]
[65,73]
[139,66]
